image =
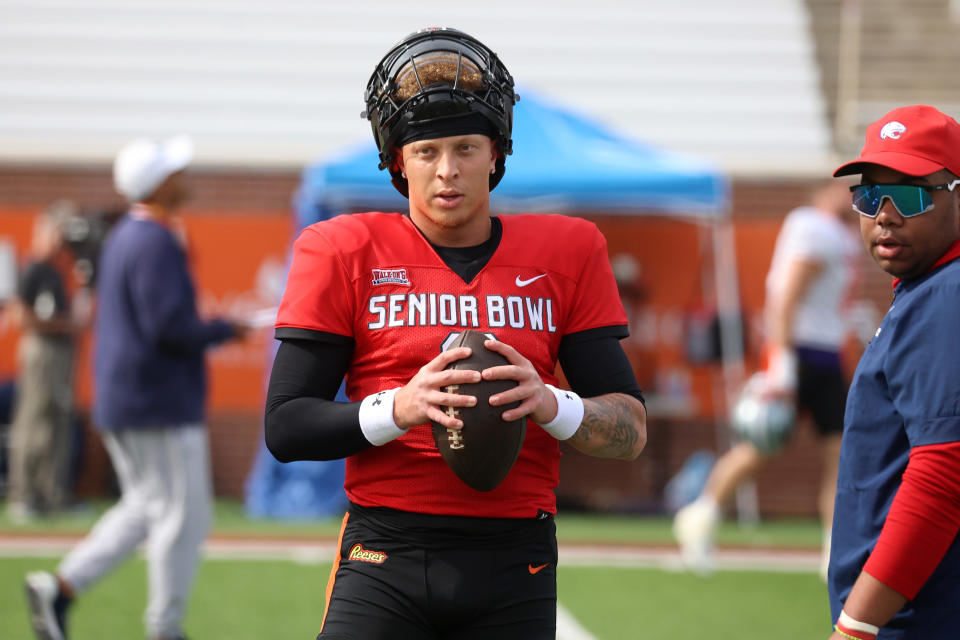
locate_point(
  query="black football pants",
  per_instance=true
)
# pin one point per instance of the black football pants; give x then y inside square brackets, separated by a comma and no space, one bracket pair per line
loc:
[408,576]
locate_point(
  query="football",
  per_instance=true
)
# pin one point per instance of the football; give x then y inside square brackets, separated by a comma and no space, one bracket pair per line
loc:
[766,422]
[482,453]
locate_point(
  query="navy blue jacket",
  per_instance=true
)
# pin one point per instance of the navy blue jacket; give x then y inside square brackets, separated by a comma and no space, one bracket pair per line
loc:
[149,365]
[905,394]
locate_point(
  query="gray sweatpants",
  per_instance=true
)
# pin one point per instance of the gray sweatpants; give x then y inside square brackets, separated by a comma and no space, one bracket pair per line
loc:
[166,496]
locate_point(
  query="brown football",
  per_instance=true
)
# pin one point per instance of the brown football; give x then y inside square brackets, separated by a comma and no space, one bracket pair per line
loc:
[484,450]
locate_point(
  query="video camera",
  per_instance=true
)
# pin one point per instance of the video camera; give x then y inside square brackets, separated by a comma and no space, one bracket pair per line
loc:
[84,233]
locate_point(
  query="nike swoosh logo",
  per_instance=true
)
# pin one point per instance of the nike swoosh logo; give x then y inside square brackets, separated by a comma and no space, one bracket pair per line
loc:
[523,283]
[534,570]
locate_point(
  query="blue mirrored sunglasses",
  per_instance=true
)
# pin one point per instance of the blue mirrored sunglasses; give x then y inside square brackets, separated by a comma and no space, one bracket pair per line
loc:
[909,199]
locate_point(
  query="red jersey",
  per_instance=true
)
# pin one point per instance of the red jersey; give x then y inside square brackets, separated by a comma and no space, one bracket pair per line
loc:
[374,278]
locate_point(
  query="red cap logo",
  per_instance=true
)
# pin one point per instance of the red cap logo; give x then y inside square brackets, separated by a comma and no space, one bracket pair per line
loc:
[892,130]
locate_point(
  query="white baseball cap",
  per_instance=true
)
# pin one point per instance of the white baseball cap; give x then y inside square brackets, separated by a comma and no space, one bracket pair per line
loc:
[142,165]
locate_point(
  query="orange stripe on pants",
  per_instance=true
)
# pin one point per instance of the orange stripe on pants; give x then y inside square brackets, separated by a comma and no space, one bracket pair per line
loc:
[333,571]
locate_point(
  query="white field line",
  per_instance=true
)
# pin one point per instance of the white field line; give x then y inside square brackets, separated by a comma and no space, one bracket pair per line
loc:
[568,628]
[668,559]
[578,555]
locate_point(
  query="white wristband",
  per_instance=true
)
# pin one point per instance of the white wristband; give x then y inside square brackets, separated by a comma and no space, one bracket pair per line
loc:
[376,418]
[856,625]
[569,414]
[782,370]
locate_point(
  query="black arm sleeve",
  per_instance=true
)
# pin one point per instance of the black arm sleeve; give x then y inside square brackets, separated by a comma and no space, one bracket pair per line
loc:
[595,364]
[302,420]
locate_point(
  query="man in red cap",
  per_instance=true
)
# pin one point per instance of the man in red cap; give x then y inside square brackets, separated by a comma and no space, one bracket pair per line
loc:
[895,562]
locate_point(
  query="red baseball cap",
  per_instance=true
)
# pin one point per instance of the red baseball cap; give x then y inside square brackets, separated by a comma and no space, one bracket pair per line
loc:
[916,140]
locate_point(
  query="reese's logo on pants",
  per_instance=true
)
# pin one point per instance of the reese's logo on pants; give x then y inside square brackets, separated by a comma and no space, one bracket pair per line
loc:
[357,552]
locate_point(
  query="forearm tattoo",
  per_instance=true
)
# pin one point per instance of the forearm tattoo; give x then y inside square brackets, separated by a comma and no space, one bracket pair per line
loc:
[614,426]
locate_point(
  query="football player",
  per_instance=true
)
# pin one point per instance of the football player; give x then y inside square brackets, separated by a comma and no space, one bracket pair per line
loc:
[811,278]
[375,297]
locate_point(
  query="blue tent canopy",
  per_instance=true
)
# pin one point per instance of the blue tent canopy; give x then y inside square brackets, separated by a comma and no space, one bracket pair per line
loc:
[562,163]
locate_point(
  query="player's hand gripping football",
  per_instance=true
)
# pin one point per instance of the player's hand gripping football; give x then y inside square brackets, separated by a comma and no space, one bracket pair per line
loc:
[424,398]
[535,399]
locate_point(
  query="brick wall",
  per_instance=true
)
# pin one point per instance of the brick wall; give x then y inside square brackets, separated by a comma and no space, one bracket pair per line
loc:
[229,191]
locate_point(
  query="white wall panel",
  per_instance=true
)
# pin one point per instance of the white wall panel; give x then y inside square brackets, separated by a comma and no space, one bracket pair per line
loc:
[280,83]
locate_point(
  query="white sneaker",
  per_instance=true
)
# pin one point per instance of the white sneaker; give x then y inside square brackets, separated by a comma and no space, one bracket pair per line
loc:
[48,606]
[694,527]
[20,514]
[825,556]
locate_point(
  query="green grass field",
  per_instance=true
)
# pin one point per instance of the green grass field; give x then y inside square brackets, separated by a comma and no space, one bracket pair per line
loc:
[239,599]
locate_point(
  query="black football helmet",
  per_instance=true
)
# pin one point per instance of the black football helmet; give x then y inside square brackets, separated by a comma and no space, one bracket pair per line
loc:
[411,90]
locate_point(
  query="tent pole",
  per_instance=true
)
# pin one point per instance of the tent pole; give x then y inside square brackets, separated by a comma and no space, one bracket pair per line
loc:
[731,344]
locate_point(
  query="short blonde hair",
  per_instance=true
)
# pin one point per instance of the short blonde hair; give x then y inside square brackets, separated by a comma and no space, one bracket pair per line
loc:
[437,67]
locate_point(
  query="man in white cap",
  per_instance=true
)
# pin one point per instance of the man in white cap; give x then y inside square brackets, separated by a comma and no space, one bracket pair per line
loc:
[149,399]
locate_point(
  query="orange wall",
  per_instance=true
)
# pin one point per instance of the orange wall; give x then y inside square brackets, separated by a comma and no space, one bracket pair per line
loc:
[238,261]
